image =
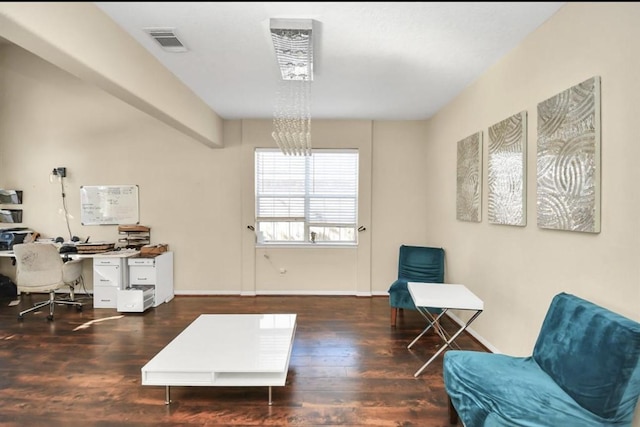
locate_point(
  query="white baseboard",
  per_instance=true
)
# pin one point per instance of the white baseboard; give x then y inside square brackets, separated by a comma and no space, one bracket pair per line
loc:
[474,334]
[452,316]
[290,293]
[207,293]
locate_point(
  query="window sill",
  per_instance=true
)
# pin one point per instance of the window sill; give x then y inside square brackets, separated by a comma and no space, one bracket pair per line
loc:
[307,245]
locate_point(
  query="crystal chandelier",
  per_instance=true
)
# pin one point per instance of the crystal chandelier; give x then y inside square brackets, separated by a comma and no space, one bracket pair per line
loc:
[293,43]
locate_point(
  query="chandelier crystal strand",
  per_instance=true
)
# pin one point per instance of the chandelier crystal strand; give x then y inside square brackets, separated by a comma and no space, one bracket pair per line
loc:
[293,44]
[307,123]
[292,118]
[300,118]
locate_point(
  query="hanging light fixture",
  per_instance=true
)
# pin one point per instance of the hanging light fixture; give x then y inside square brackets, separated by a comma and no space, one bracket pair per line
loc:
[293,43]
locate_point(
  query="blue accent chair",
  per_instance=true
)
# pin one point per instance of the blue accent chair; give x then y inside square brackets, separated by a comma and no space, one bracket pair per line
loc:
[584,371]
[415,264]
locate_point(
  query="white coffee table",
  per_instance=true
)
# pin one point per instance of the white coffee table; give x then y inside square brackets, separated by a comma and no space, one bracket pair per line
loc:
[444,297]
[244,350]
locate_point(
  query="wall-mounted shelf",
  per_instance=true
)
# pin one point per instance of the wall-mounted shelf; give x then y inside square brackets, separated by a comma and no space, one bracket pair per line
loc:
[10,216]
[10,197]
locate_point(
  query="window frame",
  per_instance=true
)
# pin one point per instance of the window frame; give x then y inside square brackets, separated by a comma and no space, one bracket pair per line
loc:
[308,225]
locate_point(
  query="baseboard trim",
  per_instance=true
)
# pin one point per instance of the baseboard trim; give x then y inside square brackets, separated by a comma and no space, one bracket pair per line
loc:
[205,293]
[289,293]
[474,334]
[452,316]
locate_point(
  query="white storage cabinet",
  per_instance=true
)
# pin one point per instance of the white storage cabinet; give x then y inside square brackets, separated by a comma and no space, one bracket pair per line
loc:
[109,275]
[150,283]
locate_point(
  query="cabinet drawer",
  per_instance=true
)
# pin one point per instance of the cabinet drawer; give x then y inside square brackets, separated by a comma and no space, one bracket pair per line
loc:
[142,275]
[106,261]
[142,261]
[107,275]
[104,296]
[135,299]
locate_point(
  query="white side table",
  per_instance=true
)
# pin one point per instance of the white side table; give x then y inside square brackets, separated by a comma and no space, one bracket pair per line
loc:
[445,297]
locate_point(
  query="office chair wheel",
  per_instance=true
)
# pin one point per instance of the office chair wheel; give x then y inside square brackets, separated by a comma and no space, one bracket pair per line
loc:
[50,317]
[20,317]
[78,308]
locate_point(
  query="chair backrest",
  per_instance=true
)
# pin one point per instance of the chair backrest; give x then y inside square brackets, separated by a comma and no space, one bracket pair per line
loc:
[38,266]
[421,264]
[593,354]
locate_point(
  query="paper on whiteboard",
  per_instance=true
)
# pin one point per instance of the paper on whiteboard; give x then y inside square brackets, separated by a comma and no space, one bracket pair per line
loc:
[109,204]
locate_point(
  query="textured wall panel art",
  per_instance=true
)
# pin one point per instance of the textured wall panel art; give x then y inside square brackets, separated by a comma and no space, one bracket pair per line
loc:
[469,179]
[506,171]
[568,163]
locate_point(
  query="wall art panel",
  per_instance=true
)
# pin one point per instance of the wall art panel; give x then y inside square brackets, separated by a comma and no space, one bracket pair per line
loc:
[568,159]
[469,179]
[506,171]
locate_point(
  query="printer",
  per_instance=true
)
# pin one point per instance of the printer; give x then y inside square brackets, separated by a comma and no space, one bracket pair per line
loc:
[12,236]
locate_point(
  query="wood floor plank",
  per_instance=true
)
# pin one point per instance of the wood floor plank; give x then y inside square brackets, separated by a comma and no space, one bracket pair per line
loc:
[348,367]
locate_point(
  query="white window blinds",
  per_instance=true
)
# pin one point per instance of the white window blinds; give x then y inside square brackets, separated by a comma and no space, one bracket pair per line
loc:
[320,190]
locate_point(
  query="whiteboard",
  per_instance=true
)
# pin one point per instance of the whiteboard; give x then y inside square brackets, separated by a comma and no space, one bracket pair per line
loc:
[109,204]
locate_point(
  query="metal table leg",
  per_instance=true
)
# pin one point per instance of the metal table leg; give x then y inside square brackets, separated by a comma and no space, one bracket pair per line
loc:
[434,321]
[167,396]
[448,342]
[431,321]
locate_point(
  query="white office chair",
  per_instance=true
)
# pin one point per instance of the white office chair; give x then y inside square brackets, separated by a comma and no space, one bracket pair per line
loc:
[39,268]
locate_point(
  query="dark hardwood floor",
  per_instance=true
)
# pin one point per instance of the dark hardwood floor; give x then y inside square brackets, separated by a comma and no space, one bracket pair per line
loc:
[348,367]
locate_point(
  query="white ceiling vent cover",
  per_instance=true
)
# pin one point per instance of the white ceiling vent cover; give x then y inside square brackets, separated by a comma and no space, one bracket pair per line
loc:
[167,39]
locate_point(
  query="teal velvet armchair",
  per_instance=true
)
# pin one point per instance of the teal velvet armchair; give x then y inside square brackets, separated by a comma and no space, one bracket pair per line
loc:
[415,264]
[584,371]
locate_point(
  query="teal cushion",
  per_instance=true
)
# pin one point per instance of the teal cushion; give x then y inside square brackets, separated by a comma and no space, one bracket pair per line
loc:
[421,264]
[415,264]
[399,295]
[592,353]
[498,390]
[584,371]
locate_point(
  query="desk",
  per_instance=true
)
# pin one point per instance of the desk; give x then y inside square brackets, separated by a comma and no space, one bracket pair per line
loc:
[445,297]
[110,273]
[237,350]
[72,255]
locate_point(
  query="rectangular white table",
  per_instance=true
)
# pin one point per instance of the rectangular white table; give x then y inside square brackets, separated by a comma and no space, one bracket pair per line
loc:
[244,350]
[444,297]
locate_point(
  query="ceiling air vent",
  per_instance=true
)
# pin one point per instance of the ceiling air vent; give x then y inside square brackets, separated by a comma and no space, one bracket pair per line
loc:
[167,39]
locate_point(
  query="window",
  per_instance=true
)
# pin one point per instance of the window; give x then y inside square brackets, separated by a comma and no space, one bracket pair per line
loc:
[306,199]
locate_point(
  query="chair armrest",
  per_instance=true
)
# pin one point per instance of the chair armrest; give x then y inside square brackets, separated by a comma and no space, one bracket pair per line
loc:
[72,270]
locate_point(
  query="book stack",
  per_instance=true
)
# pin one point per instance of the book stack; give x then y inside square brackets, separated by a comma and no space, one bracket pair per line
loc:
[94,248]
[136,236]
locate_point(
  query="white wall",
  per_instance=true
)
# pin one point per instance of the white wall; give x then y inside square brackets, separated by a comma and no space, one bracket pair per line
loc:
[119,66]
[189,193]
[333,270]
[517,270]
[197,199]
[400,200]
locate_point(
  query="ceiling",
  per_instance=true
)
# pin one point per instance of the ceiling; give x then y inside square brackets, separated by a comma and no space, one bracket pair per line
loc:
[372,60]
